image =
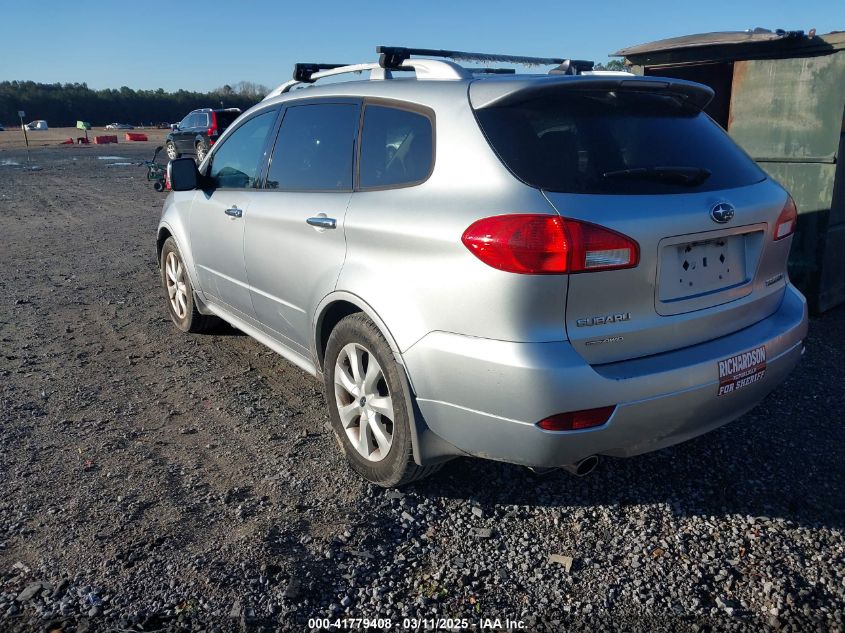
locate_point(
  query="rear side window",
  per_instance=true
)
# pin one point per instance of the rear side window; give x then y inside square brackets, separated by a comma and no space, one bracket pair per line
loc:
[396,147]
[315,148]
[224,118]
[235,163]
[604,142]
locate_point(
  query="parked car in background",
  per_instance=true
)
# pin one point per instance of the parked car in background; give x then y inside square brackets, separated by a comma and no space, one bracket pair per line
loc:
[120,126]
[39,125]
[531,269]
[196,133]
[2,129]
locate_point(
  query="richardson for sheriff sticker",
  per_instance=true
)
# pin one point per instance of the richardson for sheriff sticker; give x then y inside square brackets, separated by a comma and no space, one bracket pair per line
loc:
[742,370]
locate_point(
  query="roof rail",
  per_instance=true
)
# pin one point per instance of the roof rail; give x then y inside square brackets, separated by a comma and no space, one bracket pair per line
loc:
[393,57]
[425,69]
[301,75]
[304,71]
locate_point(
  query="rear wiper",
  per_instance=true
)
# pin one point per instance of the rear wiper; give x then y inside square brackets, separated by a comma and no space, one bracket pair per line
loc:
[690,176]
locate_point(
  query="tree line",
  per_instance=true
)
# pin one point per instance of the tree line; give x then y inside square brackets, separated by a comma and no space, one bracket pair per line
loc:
[62,105]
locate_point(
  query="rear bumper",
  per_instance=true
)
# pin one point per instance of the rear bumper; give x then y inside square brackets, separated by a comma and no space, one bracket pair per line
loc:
[484,397]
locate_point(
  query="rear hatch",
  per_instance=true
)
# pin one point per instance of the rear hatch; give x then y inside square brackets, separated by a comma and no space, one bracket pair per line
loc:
[642,159]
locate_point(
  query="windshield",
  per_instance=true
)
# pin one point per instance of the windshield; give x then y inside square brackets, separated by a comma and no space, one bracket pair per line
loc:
[606,142]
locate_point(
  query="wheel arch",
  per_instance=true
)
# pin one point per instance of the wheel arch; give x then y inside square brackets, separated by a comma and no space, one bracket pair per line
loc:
[427,448]
[335,307]
[165,231]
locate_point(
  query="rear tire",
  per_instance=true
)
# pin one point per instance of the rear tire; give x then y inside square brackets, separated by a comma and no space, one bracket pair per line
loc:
[202,152]
[370,413]
[181,302]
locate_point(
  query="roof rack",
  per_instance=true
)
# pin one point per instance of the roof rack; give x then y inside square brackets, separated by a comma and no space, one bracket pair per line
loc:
[396,56]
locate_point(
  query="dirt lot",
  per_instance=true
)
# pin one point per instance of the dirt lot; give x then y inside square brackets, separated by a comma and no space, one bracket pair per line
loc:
[13,137]
[155,481]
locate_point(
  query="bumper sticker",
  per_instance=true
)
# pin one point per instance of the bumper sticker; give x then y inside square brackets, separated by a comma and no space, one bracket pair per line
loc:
[742,370]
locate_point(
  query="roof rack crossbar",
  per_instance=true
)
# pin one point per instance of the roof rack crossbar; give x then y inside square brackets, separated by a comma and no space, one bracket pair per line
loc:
[395,56]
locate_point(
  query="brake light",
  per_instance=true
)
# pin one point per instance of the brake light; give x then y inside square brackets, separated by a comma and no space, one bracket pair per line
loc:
[787,220]
[532,244]
[575,420]
[212,131]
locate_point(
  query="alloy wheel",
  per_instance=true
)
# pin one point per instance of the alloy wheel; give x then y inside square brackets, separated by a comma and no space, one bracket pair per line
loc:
[177,290]
[364,402]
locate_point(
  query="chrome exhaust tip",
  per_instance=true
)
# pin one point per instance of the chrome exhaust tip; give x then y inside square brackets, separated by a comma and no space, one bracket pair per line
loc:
[583,467]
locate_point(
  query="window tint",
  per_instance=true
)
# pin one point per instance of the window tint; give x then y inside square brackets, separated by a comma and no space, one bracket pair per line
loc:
[201,120]
[314,148]
[186,122]
[615,143]
[396,147]
[235,163]
[225,118]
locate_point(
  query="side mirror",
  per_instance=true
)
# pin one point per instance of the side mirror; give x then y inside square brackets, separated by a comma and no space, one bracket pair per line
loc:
[183,174]
[174,127]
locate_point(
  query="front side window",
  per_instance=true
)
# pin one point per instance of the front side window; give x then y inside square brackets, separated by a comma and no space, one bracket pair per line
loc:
[315,148]
[236,162]
[396,147]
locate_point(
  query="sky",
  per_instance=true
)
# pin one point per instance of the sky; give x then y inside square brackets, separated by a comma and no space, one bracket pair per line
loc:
[204,45]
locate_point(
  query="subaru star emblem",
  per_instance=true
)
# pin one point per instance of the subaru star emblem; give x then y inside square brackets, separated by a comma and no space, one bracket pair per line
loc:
[722,212]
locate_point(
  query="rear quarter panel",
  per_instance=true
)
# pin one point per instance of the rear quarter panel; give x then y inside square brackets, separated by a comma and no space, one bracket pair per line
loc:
[405,257]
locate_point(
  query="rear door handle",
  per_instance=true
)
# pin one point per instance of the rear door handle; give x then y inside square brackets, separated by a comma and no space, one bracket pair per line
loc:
[234,212]
[322,222]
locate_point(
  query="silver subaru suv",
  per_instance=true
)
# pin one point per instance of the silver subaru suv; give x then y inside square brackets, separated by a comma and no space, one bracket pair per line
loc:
[537,269]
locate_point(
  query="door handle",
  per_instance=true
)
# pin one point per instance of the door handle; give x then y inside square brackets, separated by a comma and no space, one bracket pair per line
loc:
[322,222]
[234,212]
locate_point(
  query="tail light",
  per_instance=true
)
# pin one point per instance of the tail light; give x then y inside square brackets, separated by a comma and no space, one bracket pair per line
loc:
[575,420]
[212,131]
[548,244]
[787,220]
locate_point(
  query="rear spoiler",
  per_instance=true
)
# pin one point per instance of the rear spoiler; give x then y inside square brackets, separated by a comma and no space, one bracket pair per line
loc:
[489,93]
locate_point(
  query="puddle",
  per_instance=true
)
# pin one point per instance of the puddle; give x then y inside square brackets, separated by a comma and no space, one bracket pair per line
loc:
[110,158]
[120,164]
[7,162]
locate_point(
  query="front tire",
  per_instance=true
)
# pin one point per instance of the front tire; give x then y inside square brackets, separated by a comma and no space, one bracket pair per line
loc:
[181,303]
[171,150]
[370,412]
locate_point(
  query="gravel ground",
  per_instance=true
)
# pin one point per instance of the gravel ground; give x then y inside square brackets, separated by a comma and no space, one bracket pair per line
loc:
[157,481]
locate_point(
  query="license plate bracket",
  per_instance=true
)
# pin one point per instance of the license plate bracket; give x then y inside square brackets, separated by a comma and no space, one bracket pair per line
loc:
[695,269]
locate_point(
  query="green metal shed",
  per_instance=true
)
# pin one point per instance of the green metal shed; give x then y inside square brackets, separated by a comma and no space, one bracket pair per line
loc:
[781,96]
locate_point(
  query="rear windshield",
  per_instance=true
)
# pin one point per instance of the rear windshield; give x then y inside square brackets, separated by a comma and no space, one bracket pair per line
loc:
[615,143]
[224,119]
